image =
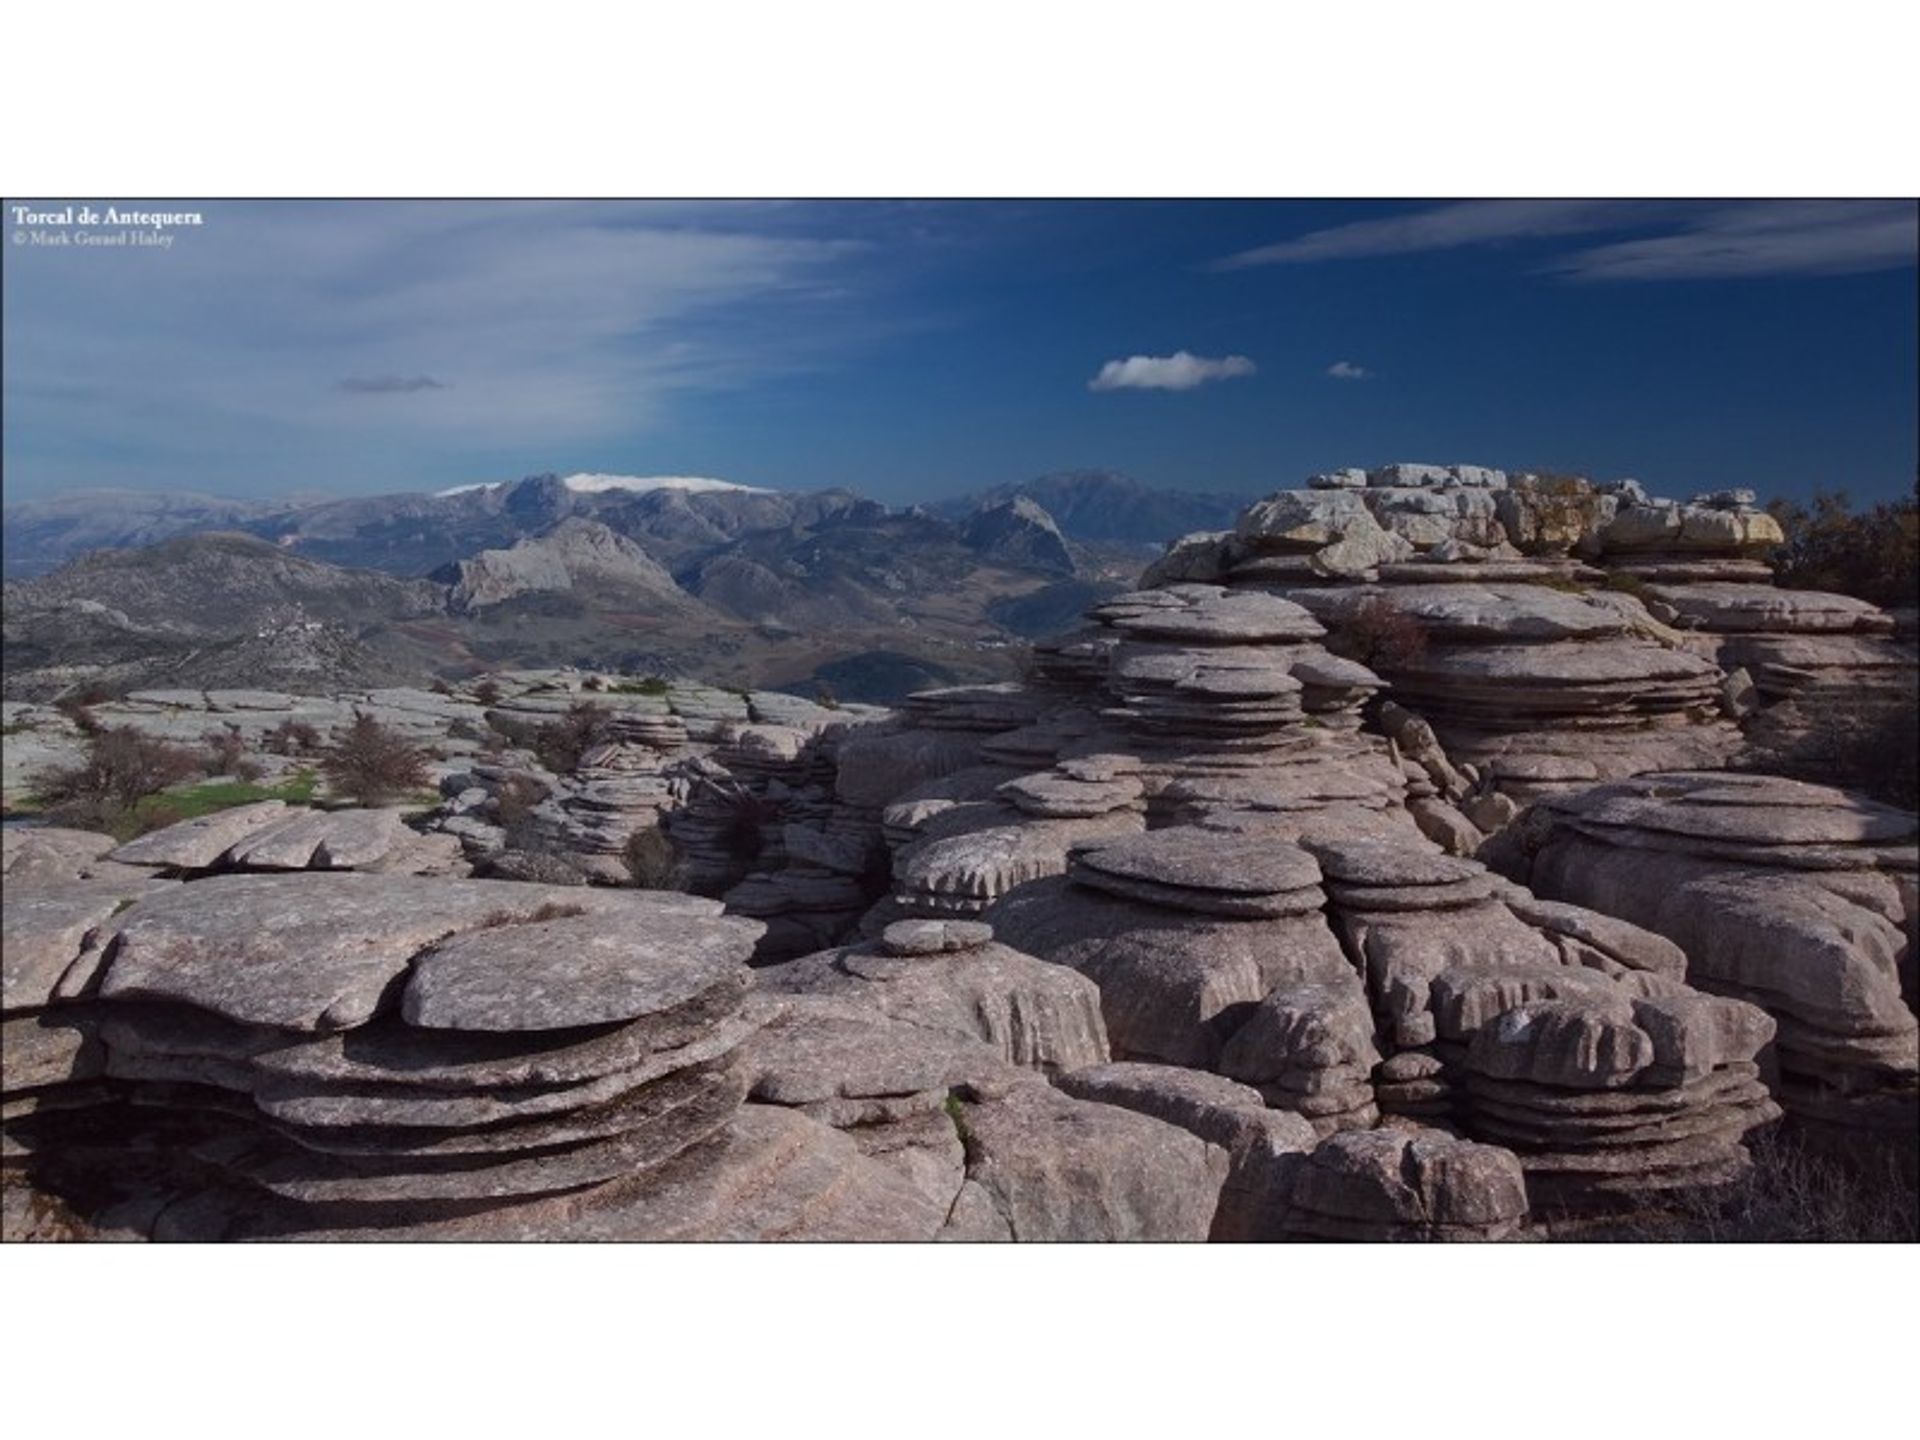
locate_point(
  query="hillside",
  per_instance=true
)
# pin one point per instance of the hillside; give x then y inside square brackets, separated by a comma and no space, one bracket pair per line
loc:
[1104,505]
[738,586]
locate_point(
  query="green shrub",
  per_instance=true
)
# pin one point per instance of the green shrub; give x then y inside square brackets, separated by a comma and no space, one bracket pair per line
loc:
[650,685]
[1625,582]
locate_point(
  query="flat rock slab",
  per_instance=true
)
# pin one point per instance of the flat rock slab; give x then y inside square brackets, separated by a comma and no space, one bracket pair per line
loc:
[321,840]
[50,854]
[309,951]
[1399,1181]
[1188,857]
[1032,1013]
[302,1102]
[1202,902]
[390,1051]
[184,1030]
[1237,621]
[198,844]
[1619,940]
[1044,1166]
[625,1113]
[583,970]
[316,1179]
[1050,793]
[1754,810]
[1731,1084]
[1516,612]
[934,937]
[44,931]
[51,1049]
[770,1174]
[805,1056]
[1218,1110]
[1732,606]
[1372,862]
[1391,899]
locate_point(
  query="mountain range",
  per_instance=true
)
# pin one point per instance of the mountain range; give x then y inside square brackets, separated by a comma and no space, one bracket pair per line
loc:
[676,517]
[678,576]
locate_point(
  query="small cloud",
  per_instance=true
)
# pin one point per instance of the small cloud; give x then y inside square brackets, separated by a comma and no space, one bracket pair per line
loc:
[1178,371]
[1347,370]
[389,384]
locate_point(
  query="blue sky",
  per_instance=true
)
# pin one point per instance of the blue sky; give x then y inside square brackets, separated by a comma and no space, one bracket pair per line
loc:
[917,349]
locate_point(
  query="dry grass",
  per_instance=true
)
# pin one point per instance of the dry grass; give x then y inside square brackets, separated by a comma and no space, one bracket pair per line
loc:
[1378,633]
[561,744]
[1798,1192]
[1857,745]
[550,910]
[227,755]
[652,862]
[514,807]
[291,737]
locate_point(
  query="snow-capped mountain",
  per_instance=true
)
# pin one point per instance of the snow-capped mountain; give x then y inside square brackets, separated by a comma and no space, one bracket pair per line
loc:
[596,484]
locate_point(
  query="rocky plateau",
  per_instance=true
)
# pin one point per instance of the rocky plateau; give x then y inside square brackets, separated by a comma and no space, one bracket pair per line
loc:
[1409,860]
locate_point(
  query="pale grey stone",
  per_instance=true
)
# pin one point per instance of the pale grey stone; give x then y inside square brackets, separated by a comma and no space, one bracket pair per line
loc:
[576,971]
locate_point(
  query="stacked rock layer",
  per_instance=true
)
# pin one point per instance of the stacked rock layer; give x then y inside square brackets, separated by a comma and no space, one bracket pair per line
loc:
[371,1051]
[1796,897]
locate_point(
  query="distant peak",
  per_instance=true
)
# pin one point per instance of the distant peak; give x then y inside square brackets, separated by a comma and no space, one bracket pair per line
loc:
[593,484]
[589,484]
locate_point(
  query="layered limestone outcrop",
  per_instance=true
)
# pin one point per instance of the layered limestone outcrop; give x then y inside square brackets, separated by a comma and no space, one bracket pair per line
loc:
[1392,867]
[1798,898]
[306,1056]
[1556,632]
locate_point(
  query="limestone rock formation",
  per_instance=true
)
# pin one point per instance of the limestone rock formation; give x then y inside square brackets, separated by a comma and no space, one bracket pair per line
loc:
[1265,1147]
[1397,1184]
[372,1050]
[1796,897]
[1609,1101]
[1557,632]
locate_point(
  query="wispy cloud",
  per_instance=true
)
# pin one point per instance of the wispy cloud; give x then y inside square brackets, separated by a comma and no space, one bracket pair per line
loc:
[465,332]
[1445,227]
[1181,370]
[1347,370]
[389,384]
[1673,240]
[1815,237]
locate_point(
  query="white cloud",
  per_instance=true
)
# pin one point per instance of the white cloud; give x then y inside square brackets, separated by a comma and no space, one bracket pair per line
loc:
[1347,370]
[1178,371]
[464,332]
